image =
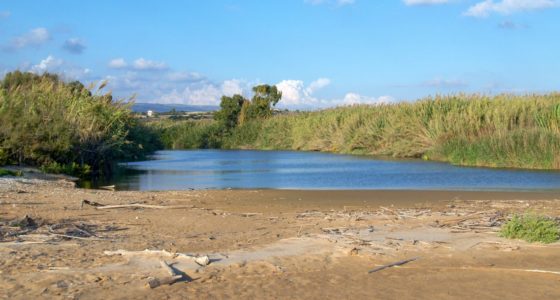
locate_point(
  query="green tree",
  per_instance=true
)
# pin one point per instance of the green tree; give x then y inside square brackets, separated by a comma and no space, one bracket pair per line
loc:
[266,96]
[230,107]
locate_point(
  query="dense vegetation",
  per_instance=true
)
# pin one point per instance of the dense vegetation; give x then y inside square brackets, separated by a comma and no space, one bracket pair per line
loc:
[64,128]
[500,131]
[4,172]
[235,112]
[532,228]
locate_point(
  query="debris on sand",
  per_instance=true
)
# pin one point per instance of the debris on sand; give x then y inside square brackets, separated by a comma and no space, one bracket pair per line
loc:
[200,260]
[29,230]
[395,264]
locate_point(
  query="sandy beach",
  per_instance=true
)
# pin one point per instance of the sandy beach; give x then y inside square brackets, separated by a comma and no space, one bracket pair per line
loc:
[269,244]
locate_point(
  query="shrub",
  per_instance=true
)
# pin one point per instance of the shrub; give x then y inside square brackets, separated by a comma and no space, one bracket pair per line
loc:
[64,127]
[4,172]
[532,228]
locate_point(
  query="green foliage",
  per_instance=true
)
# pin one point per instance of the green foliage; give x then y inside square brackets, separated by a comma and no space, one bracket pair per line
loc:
[499,131]
[237,110]
[531,228]
[230,107]
[189,134]
[69,169]
[4,172]
[265,98]
[63,127]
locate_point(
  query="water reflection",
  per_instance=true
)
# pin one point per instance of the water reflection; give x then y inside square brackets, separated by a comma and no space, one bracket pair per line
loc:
[218,169]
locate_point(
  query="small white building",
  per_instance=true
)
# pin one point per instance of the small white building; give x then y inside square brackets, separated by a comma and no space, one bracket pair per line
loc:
[150,113]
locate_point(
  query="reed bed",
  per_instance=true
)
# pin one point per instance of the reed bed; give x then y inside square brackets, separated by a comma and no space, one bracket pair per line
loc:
[475,130]
[64,128]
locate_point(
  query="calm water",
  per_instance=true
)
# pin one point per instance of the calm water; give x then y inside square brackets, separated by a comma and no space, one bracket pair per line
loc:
[218,169]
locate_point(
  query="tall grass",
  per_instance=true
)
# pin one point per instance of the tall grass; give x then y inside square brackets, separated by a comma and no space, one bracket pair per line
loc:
[475,130]
[182,134]
[63,127]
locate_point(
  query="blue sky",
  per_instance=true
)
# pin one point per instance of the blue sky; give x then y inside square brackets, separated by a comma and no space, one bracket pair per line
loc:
[320,53]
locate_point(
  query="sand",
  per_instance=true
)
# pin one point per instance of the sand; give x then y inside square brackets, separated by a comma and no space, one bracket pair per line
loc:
[273,244]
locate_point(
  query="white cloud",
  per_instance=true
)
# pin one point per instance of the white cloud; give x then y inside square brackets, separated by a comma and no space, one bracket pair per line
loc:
[184,76]
[48,64]
[142,64]
[507,7]
[206,93]
[5,14]
[56,65]
[318,84]
[118,63]
[296,95]
[232,87]
[34,38]
[354,99]
[174,87]
[425,2]
[195,89]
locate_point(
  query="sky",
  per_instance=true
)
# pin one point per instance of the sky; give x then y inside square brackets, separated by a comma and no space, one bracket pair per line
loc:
[319,53]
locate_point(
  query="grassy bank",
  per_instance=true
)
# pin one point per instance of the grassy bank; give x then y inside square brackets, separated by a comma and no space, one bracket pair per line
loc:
[500,131]
[64,127]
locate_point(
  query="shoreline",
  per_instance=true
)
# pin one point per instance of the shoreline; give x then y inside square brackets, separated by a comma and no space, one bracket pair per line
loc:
[270,243]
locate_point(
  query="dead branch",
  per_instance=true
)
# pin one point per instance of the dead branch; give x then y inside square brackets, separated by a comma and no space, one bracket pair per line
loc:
[132,205]
[395,264]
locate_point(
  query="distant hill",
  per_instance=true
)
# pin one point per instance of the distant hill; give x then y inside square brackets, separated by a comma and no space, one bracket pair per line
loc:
[162,108]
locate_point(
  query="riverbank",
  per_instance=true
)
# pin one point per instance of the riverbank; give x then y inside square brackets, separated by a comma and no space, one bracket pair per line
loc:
[502,131]
[270,243]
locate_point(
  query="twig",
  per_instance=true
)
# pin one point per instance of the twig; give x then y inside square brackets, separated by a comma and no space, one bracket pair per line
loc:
[76,237]
[246,215]
[91,203]
[98,205]
[395,264]
[90,238]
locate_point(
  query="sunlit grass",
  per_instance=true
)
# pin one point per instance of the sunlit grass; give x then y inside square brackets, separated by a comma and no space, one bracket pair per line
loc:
[500,131]
[532,228]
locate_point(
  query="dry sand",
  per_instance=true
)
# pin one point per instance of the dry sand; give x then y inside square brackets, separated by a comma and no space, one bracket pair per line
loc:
[272,244]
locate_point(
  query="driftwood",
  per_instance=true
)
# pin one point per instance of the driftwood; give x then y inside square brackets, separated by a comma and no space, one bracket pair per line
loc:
[395,264]
[200,260]
[246,215]
[132,205]
[173,277]
[76,237]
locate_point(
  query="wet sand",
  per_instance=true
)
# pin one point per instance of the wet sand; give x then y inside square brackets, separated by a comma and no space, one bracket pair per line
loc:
[274,244]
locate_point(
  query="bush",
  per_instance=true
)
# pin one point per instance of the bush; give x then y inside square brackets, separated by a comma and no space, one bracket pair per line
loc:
[532,228]
[4,172]
[63,127]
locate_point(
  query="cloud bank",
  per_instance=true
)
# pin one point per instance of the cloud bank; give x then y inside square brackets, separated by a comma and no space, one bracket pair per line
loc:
[508,7]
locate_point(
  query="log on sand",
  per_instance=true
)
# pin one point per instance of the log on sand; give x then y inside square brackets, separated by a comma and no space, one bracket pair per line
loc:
[173,277]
